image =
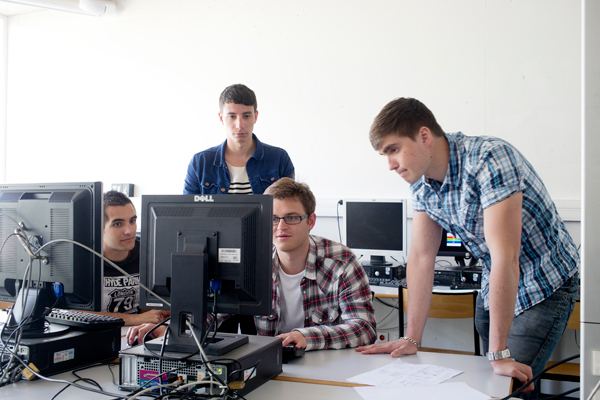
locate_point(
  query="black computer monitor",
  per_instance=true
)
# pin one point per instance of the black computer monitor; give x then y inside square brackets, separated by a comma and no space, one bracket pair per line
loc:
[376,229]
[191,242]
[452,246]
[31,216]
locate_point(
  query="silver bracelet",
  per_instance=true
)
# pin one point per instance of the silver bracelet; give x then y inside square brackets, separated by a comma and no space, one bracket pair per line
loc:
[413,341]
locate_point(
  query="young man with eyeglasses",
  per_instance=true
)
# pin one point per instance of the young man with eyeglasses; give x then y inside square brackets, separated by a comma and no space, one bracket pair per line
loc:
[322,298]
[321,294]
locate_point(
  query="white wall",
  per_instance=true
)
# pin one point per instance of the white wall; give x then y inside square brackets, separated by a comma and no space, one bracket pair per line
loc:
[130,98]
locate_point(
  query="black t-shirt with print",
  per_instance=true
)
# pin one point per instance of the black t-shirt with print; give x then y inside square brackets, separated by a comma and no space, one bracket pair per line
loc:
[120,293]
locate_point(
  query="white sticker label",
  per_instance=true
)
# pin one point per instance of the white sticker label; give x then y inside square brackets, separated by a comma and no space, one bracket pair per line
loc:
[64,355]
[249,374]
[230,256]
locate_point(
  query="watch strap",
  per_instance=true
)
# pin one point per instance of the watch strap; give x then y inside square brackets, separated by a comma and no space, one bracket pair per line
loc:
[498,355]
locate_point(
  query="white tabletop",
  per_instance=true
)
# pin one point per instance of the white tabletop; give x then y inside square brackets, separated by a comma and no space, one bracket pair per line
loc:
[338,365]
[389,290]
[322,365]
[301,391]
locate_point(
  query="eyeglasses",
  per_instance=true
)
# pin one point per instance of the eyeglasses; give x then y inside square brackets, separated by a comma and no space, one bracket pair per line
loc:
[290,220]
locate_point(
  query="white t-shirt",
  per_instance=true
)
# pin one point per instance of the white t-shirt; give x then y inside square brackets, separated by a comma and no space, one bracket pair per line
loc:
[240,183]
[292,311]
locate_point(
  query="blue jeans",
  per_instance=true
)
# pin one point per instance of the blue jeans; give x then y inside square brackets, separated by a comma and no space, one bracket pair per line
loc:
[535,332]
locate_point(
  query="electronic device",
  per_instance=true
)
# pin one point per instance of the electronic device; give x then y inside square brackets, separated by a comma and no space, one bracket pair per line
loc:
[469,278]
[32,216]
[254,363]
[376,229]
[290,352]
[84,320]
[387,282]
[205,253]
[464,285]
[73,349]
[452,246]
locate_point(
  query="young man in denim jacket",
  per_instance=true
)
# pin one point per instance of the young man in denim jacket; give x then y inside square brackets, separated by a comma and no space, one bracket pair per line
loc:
[241,164]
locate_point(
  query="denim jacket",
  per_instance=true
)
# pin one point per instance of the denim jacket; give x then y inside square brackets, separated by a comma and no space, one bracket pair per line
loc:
[208,173]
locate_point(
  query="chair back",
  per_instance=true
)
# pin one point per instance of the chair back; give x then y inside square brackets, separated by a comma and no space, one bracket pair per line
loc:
[448,306]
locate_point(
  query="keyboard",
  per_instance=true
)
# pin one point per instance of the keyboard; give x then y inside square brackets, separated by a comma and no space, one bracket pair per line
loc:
[290,352]
[83,320]
[465,285]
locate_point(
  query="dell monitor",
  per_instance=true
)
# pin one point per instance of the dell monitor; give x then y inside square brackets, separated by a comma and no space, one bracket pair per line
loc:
[206,253]
[376,229]
[31,216]
[452,246]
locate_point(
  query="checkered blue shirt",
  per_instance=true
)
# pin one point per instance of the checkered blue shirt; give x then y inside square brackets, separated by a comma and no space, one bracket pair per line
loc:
[482,172]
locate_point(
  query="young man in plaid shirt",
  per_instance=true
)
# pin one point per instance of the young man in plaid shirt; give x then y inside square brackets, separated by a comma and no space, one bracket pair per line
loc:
[321,294]
[484,191]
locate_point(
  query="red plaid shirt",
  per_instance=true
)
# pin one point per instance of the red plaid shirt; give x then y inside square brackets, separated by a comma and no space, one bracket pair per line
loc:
[338,312]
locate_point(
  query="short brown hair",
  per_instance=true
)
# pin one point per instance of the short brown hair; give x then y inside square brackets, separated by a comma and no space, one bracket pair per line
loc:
[287,188]
[404,117]
[238,94]
[115,198]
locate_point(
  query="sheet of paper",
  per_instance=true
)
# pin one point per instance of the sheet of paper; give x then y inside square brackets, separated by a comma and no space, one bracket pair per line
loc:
[400,373]
[446,391]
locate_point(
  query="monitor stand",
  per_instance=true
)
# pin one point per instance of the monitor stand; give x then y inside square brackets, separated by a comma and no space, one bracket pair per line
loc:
[31,319]
[221,344]
[189,271]
[377,261]
[461,264]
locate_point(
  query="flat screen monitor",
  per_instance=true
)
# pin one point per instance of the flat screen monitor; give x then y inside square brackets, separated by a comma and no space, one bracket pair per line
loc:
[31,216]
[375,230]
[192,244]
[452,246]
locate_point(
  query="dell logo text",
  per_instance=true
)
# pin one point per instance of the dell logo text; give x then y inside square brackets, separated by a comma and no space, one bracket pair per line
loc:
[203,198]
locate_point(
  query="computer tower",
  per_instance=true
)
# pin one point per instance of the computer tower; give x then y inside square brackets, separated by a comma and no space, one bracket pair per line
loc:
[253,363]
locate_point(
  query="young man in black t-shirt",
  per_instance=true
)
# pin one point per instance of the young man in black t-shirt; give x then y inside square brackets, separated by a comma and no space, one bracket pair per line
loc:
[121,294]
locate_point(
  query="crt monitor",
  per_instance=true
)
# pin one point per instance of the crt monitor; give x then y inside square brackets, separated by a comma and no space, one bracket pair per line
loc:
[192,242]
[452,246]
[31,216]
[375,230]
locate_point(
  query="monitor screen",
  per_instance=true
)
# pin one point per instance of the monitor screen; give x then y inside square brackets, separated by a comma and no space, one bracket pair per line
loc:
[31,216]
[452,246]
[192,242]
[375,229]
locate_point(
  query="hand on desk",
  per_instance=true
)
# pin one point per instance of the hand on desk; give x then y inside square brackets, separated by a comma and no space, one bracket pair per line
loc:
[136,333]
[514,369]
[294,337]
[395,348]
[150,316]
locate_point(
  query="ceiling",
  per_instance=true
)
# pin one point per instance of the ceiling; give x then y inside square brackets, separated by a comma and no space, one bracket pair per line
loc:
[9,9]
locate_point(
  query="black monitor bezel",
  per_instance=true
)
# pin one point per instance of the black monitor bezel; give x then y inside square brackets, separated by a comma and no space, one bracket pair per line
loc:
[369,254]
[263,281]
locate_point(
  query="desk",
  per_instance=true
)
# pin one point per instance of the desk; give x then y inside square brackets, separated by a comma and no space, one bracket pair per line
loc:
[338,365]
[392,292]
[323,365]
[276,389]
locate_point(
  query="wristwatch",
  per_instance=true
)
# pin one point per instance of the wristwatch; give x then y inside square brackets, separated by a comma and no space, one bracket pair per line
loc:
[498,355]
